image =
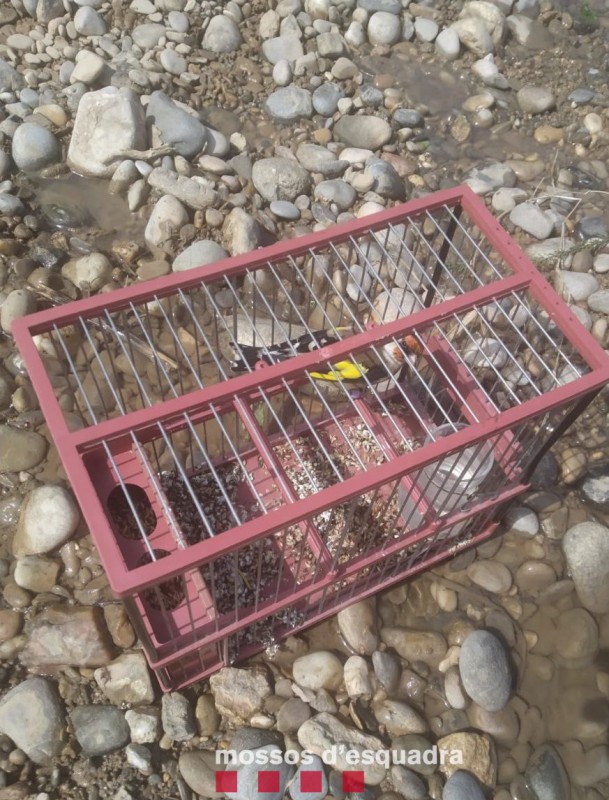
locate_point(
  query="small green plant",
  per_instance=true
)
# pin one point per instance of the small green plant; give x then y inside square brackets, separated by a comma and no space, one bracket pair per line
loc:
[587,13]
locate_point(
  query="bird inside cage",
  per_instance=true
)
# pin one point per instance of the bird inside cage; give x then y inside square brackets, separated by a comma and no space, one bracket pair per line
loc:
[366,368]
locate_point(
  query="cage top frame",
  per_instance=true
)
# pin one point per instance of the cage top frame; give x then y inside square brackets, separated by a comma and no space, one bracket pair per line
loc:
[73,444]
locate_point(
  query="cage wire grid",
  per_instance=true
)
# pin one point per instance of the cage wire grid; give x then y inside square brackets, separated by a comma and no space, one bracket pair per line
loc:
[231,509]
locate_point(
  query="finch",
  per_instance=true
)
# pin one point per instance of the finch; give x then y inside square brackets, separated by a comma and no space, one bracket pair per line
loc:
[345,371]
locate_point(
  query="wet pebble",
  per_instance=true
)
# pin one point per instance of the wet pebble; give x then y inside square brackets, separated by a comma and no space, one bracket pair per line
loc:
[546,776]
[48,517]
[320,670]
[398,718]
[533,577]
[18,303]
[462,786]
[521,521]
[595,489]
[577,639]
[36,574]
[484,670]
[357,625]
[586,549]
[490,575]
[357,681]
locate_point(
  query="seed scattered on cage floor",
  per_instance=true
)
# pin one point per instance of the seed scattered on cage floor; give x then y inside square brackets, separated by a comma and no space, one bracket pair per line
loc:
[205,488]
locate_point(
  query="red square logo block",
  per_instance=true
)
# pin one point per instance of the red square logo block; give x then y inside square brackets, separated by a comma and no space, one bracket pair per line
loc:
[268,781]
[353,781]
[226,781]
[310,781]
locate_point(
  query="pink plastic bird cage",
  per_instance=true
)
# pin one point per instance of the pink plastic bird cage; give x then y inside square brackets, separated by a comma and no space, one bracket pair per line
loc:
[411,369]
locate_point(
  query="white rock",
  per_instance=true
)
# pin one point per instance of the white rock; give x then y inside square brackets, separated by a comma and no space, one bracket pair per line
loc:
[222,35]
[47,519]
[384,28]
[520,27]
[425,30]
[357,625]
[89,22]
[575,286]
[448,44]
[522,521]
[473,34]
[282,47]
[355,35]
[282,73]
[489,14]
[486,352]
[324,730]
[165,221]
[241,233]
[355,155]
[357,682]
[586,549]
[239,693]
[108,122]
[486,69]
[490,575]
[199,253]
[89,67]
[535,99]
[320,670]
[506,197]
[92,270]
[532,219]
[453,690]
[126,680]
[280,179]
[268,27]
[144,724]
[16,304]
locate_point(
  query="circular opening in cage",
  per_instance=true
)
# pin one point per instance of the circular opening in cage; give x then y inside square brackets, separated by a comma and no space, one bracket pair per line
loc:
[166,595]
[131,511]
